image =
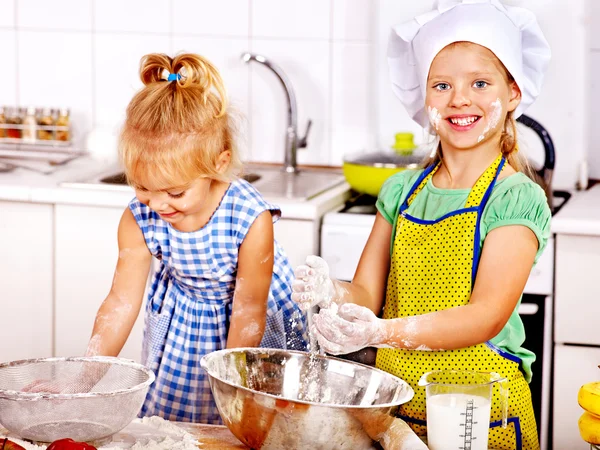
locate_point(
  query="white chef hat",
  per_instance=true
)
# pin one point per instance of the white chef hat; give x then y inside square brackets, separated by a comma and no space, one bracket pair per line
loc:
[511,33]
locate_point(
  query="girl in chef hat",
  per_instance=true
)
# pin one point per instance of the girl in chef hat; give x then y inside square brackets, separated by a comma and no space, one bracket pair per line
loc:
[453,244]
[221,280]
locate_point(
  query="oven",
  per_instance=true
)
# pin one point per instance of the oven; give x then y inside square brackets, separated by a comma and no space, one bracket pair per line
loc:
[344,234]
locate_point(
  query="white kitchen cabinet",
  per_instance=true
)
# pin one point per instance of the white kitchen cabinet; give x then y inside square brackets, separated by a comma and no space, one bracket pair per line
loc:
[577,290]
[26,280]
[574,366]
[86,253]
[299,238]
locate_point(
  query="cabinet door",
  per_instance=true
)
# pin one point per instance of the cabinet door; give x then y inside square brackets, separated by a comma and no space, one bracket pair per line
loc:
[86,255]
[577,290]
[573,367]
[26,280]
[299,238]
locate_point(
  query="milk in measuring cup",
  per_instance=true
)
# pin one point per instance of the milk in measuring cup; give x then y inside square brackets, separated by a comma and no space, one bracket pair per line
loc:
[457,421]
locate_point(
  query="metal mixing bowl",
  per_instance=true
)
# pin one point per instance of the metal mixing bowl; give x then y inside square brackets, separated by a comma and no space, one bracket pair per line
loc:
[277,399]
[86,398]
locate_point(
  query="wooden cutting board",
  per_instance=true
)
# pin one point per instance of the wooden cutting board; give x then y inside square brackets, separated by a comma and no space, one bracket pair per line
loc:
[213,437]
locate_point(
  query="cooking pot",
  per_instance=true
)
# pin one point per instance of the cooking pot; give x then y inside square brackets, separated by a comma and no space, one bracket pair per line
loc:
[366,172]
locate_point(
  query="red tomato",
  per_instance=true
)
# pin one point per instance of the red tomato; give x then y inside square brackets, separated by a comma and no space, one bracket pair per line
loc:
[70,444]
[5,444]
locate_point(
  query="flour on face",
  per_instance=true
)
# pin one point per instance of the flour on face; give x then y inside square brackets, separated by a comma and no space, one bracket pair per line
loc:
[493,120]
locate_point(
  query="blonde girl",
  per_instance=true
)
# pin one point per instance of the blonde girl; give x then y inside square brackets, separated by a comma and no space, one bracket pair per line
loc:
[221,280]
[453,244]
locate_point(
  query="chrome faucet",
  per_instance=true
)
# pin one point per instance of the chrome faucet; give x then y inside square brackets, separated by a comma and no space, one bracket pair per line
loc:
[292,141]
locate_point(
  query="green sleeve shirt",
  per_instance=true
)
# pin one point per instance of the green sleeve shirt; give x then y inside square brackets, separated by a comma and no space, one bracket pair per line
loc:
[515,200]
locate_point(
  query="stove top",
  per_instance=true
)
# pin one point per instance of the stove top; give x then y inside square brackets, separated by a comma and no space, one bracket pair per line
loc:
[365,204]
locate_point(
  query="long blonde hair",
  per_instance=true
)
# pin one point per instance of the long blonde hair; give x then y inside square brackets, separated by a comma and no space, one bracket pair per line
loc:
[175,131]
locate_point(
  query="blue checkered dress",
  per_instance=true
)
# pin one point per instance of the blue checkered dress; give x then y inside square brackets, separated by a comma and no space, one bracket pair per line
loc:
[190,300]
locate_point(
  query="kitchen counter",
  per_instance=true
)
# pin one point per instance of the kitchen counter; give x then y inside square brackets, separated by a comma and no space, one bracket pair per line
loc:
[22,185]
[581,214]
[209,437]
[144,432]
[213,437]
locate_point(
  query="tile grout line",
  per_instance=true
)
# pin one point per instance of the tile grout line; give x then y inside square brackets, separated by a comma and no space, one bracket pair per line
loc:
[94,79]
[172,26]
[16,28]
[330,81]
[249,72]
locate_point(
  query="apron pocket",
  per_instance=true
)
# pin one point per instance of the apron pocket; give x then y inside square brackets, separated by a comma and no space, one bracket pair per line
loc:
[157,327]
[274,336]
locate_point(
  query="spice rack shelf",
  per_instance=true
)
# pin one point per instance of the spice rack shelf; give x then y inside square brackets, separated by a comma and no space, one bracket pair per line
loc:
[37,134]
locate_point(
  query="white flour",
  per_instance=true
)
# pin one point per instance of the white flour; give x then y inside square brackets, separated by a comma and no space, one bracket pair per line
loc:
[149,433]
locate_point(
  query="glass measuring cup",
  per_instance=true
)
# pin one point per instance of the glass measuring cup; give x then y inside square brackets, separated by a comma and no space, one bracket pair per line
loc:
[459,406]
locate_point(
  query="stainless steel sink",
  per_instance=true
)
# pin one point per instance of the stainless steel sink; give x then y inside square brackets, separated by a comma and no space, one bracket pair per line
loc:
[270,181]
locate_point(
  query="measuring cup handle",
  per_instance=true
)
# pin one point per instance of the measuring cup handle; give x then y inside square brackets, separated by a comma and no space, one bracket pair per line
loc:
[503,386]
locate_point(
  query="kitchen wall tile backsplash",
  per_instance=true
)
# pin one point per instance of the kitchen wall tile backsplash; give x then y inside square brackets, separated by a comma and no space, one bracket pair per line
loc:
[63,15]
[61,77]
[84,55]
[116,75]
[138,16]
[211,18]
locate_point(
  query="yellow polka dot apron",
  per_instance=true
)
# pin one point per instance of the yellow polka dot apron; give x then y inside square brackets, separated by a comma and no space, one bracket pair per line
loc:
[433,267]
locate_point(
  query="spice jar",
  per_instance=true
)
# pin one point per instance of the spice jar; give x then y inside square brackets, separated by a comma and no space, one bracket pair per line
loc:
[29,126]
[45,125]
[62,133]
[13,118]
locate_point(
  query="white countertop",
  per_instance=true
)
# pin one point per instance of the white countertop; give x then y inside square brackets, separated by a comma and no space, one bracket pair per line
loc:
[24,185]
[580,215]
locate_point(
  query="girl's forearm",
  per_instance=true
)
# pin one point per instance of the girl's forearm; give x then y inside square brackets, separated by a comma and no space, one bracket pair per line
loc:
[113,324]
[247,324]
[448,329]
[345,292]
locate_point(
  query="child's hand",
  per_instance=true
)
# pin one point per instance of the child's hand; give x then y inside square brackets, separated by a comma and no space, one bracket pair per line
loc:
[351,328]
[312,285]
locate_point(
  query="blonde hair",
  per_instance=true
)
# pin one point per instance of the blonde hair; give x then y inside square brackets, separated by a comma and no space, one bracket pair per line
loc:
[508,139]
[175,131]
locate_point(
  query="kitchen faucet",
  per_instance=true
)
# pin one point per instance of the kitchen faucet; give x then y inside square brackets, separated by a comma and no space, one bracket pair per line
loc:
[292,141]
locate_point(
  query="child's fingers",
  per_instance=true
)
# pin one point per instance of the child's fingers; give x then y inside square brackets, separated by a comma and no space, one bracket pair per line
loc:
[317,263]
[328,346]
[301,286]
[303,299]
[352,312]
[303,271]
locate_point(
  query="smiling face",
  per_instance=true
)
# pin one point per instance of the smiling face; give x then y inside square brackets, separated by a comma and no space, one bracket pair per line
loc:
[469,95]
[177,198]
[175,203]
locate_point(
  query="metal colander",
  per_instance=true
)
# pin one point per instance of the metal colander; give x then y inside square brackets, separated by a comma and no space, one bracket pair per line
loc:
[84,398]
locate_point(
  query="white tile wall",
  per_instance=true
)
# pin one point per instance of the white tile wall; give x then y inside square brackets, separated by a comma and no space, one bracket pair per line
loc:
[332,50]
[7,13]
[594,84]
[306,19]
[210,18]
[142,16]
[55,15]
[307,65]
[353,19]
[8,78]
[87,53]
[61,77]
[116,63]
[352,119]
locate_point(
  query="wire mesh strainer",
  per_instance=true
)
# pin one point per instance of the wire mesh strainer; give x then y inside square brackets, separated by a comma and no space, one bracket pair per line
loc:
[83,398]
